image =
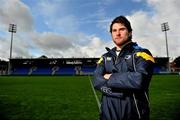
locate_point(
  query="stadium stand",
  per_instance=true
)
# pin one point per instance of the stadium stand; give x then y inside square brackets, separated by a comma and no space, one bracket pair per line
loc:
[3,67]
[20,70]
[161,65]
[87,69]
[175,65]
[54,70]
[68,66]
[53,66]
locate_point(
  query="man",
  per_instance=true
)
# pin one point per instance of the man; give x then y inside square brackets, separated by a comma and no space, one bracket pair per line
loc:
[123,76]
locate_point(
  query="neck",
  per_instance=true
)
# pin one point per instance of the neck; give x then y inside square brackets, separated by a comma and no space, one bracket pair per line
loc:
[119,48]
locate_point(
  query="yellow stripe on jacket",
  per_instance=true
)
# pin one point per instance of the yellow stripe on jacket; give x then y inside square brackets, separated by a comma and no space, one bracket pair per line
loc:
[100,60]
[145,56]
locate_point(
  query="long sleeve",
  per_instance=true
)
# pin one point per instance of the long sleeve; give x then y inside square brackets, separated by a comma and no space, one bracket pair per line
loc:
[99,81]
[137,79]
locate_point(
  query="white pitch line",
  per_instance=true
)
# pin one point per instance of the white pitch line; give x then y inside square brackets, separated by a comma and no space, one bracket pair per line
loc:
[97,100]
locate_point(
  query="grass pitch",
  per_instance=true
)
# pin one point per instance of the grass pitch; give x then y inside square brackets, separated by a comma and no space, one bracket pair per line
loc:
[47,98]
[71,98]
[165,97]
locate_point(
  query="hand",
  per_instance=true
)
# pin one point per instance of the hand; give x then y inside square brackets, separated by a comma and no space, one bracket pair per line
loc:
[107,76]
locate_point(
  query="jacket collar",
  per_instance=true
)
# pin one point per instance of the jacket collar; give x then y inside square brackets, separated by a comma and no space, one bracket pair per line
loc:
[125,47]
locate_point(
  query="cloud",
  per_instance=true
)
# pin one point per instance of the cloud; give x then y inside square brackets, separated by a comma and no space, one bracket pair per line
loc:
[95,46]
[65,25]
[46,8]
[147,27]
[75,45]
[56,16]
[4,53]
[19,48]
[14,11]
[67,34]
[48,40]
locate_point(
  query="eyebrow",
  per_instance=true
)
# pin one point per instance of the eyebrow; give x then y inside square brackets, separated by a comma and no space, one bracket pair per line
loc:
[119,28]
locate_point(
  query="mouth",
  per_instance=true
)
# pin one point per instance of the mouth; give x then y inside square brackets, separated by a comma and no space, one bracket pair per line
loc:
[118,38]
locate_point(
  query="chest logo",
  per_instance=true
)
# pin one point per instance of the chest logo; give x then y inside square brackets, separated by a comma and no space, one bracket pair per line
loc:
[108,58]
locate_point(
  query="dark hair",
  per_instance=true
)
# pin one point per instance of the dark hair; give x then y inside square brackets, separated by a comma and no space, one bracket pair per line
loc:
[123,20]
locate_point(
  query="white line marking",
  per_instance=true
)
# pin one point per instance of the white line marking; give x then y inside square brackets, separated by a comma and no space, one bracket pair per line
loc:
[97,100]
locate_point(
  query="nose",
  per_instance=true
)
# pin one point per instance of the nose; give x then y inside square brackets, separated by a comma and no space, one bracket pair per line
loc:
[118,33]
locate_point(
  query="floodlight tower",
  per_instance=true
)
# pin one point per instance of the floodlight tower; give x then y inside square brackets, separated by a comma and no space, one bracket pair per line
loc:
[12,29]
[165,28]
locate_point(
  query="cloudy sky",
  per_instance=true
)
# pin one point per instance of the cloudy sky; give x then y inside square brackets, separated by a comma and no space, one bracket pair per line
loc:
[80,28]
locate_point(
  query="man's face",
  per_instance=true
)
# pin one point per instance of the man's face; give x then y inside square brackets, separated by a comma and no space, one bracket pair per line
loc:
[120,34]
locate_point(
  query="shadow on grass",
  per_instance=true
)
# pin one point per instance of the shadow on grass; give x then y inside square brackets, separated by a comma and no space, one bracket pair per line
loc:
[3,111]
[176,116]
